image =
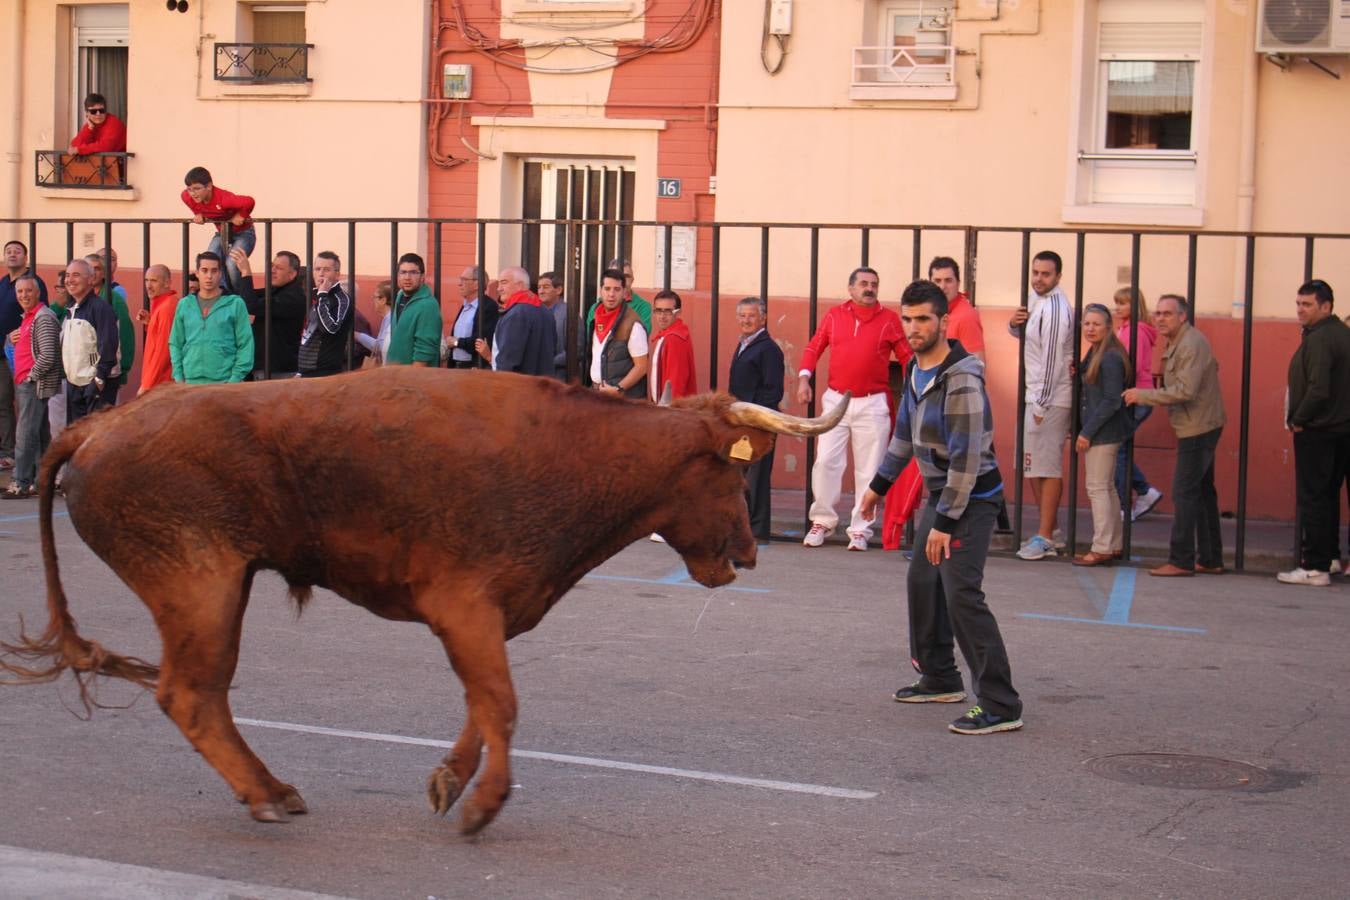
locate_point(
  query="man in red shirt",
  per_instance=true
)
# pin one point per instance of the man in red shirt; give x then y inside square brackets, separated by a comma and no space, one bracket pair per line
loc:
[864,336]
[102,132]
[672,351]
[219,207]
[963,319]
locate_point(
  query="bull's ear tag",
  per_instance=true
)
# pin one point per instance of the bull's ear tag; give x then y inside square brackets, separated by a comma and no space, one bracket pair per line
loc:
[742,449]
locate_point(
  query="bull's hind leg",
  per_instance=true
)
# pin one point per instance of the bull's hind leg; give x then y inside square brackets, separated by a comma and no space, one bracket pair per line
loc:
[450,778]
[200,614]
[475,639]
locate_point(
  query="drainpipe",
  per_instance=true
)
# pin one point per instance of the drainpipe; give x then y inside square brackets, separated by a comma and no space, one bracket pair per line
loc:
[14,102]
[1246,192]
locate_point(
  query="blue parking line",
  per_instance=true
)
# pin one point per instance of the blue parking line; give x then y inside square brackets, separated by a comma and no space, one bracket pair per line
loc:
[1116,608]
[1180,628]
[31,516]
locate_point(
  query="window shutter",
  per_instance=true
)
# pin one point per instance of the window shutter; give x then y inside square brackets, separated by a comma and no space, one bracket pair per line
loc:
[1150,40]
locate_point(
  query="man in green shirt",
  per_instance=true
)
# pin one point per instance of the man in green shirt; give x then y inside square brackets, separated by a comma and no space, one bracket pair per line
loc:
[631,297]
[211,341]
[116,295]
[415,329]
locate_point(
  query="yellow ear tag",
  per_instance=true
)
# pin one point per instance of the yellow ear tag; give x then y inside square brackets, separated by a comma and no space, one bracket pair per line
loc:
[742,449]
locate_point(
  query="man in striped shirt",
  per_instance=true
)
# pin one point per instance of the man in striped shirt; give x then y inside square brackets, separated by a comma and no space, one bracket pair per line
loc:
[1045,326]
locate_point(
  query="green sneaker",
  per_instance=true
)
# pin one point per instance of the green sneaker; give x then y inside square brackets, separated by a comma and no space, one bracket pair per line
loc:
[977,721]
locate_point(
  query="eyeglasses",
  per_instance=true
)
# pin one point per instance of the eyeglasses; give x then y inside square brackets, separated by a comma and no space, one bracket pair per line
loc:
[660,311]
[97,111]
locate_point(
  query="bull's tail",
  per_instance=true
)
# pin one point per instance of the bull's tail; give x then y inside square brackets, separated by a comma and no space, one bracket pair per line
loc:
[60,647]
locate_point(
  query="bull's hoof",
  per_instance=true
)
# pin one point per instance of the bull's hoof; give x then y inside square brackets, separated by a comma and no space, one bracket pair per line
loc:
[443,789]
[267,811]
[473,819]
[294,803]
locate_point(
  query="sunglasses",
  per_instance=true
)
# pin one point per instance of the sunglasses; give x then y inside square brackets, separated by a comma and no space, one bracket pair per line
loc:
[96,111]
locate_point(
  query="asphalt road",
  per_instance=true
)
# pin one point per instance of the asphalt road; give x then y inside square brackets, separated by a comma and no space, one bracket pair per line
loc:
[680,742]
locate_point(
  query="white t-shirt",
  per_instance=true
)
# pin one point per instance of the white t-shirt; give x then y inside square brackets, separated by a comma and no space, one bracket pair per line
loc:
[637,346]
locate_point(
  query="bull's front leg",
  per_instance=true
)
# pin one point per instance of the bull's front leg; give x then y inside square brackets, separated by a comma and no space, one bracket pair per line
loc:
[449,779]
[472,630]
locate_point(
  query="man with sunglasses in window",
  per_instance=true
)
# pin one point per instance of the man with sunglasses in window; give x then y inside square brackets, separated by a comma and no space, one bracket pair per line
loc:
[102,132]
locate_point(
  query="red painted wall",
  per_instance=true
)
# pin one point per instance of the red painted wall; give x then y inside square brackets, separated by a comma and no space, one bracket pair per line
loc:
[681,88]
[498,89]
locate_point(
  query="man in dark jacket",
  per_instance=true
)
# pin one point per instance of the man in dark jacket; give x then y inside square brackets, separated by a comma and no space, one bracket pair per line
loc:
[757,377]
[1319,417]
[475,320]
[83,397]
[327,333]
[525,337]
[288,313]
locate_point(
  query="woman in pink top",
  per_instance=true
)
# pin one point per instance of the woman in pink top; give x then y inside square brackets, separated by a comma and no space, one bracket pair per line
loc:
[1146,496]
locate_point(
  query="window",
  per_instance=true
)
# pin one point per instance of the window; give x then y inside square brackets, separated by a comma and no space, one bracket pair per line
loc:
[1138,123]
[577,189]
[101,41]
[907,51]
[275,51]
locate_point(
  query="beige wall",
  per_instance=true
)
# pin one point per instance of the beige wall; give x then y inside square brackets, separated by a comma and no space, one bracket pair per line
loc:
[349,144]
[1003,153]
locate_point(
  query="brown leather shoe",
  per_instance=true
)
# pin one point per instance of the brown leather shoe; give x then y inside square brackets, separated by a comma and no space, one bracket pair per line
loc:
[1210,570]
[1171,571]
[1093,558]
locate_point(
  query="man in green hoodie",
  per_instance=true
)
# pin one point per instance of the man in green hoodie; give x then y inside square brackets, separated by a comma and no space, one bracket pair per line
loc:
[415,330]
[211,341]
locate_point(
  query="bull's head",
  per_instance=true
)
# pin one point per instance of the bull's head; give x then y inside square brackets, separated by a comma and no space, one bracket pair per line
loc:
[708,523]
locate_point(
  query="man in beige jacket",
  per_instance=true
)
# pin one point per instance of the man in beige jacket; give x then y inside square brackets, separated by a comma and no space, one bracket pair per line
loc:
[1190,391]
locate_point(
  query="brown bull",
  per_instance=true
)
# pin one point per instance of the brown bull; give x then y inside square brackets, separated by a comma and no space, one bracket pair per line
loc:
[344,483]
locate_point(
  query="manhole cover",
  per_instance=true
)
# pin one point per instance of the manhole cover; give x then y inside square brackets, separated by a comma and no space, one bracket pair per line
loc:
[1178,770]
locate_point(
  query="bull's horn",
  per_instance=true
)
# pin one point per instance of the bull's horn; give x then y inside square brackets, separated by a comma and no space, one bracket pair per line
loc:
[667,395]
[766,419]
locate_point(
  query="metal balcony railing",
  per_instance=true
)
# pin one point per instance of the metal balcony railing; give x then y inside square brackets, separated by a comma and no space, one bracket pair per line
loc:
[263,63]
[63,169]
[913,66]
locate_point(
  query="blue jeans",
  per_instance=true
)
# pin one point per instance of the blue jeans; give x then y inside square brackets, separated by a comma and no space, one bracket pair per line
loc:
[34,433]
[247,239]
[1137,479]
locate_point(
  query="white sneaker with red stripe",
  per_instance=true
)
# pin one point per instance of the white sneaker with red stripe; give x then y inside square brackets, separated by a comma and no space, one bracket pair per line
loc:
[816,536]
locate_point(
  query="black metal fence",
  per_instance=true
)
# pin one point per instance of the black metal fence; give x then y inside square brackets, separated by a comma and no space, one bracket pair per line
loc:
[581,280]
[63,169]
[276,63]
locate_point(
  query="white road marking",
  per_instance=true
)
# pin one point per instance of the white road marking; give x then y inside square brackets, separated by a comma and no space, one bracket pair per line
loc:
[769,784]
[31,873]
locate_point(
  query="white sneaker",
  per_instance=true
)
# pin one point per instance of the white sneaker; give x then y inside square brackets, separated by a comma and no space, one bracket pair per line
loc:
[657,539]
[816,536]
[1144,503]
[1037,547]
[1305,576]
[1057,538]
[857,542]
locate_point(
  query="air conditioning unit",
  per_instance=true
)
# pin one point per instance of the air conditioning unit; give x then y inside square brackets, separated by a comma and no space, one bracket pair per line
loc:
[1304,27]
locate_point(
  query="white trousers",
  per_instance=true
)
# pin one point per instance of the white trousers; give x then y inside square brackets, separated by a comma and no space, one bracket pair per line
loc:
[867,426]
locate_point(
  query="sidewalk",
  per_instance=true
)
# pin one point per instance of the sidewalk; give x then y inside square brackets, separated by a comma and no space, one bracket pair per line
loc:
[1269,545]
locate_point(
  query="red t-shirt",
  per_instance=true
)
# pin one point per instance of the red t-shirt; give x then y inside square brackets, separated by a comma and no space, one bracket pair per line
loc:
[963,324]
[222,207]
[862,346]
[110,137]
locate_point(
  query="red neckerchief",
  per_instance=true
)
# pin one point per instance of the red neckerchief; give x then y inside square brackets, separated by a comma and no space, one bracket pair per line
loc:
[605,319]
[678,328]
[526,297]
[865,314]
